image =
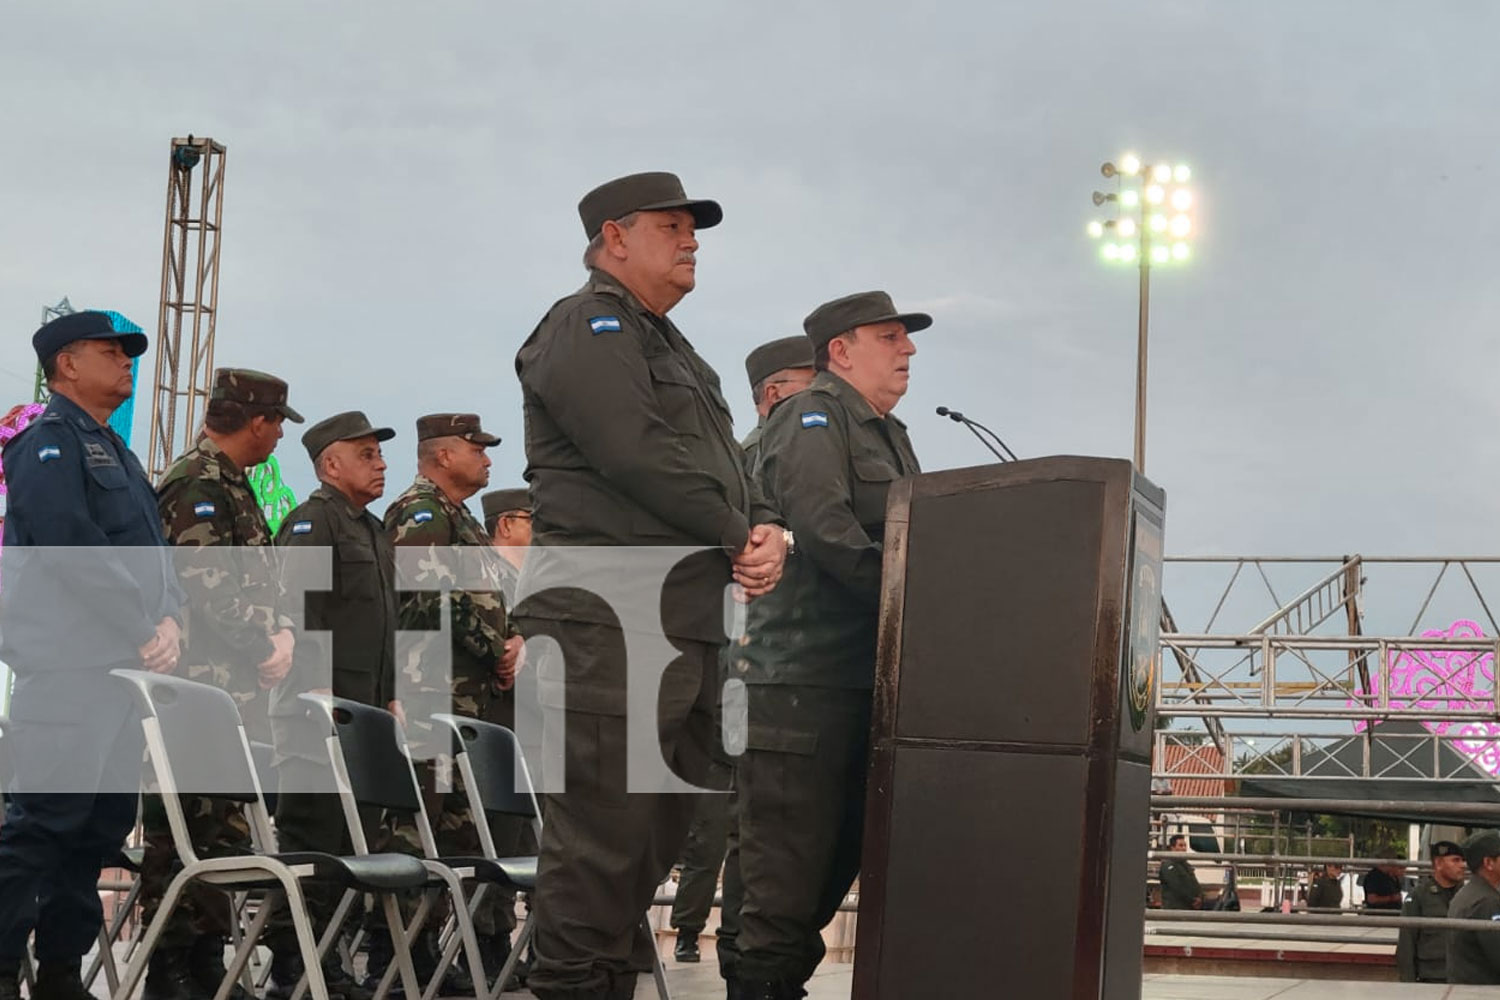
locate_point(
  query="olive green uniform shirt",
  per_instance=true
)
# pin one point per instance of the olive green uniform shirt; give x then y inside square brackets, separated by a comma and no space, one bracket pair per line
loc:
[629,442]
[349,629]
[827,461]
[1474,956]
[1422,954]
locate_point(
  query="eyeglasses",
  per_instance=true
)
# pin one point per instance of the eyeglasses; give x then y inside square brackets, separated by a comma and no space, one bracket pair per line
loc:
[522,515]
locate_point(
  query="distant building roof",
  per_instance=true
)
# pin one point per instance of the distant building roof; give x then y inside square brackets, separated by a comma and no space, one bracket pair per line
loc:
[1203,758]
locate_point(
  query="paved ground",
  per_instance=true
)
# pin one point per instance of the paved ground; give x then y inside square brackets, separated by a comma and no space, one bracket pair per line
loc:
[833,981]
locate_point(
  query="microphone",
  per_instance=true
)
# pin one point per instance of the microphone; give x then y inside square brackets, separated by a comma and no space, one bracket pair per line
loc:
[975,427]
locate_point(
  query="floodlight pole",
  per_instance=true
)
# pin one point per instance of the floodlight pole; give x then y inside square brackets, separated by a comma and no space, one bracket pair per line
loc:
[1140,348]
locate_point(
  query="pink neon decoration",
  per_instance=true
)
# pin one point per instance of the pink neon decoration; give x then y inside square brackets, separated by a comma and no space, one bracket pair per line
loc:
[14,423]
[1449,679]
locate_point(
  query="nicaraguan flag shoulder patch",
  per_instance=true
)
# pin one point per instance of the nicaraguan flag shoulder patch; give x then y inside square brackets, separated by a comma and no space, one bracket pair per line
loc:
[205,508]
[301,527]
[604,324]
[48,452]
[815,418]
[421,517]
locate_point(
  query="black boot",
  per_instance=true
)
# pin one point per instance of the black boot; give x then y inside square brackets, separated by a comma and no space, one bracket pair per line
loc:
[286,971]
[10,981]
[687,947]
[341,984]
[764,989]
[59,981]
[168,976]
[206,967]
[378,957]
[424,958]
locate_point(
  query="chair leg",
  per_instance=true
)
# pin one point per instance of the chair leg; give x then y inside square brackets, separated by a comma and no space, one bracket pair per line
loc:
[658,972]
[514,958]
[465,929]
[105,960]
[403,949]
[244,945]
[450,941]
[147,941]
[330,934]
[409,935]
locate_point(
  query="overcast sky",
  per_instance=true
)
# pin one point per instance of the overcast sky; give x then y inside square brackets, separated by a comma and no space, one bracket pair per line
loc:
[402,181]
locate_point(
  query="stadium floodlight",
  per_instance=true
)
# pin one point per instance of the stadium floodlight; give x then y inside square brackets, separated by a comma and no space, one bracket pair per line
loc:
[1151,225]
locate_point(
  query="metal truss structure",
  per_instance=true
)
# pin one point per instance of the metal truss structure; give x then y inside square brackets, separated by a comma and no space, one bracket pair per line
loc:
[39,393]
[189,297]
[1413,699]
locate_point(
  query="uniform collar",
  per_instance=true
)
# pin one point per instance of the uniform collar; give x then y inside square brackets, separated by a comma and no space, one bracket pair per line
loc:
[845,393]
[603,283]
[209,449]
[73,413]
[340,501]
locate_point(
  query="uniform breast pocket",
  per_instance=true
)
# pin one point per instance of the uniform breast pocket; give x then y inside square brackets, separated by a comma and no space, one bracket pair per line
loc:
[872,482]
[676,392]
[114,507]
[359,579]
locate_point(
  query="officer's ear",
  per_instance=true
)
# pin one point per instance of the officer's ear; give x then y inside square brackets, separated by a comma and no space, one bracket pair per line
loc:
[838,350]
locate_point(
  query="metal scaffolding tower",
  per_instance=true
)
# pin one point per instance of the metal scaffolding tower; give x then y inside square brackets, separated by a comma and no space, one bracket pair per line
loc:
[39,393]
[189,297]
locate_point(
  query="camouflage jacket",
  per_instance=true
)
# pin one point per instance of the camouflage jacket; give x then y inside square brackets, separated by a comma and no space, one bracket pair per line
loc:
[424,515]
[235,600]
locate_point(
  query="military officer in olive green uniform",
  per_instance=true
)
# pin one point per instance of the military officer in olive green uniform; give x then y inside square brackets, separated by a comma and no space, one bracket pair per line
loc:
[347,646]
[1422,954]
[828,459]
[507,522]
[452,465]
[777,371]
[628,443]
[1474,956]
[239,638]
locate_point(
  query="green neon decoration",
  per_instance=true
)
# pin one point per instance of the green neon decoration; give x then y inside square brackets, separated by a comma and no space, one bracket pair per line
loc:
[275,497]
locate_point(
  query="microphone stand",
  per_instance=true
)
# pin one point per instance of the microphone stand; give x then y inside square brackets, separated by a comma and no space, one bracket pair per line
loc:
[974,428]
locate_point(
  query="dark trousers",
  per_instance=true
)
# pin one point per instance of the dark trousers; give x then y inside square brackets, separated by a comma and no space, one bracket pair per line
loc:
[312,821]
[75,745]
[702,856]
[801,821]
[727,941]
[604,851]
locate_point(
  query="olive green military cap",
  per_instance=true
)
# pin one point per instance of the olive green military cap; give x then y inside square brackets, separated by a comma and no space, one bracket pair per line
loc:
[348,426]
[464,425]
[252,388]
[1484,844]
[649,192]
[497,502]
[768,359]
[860,309]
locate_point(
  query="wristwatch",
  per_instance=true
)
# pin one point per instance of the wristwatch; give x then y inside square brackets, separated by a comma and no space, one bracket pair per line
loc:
[790,539]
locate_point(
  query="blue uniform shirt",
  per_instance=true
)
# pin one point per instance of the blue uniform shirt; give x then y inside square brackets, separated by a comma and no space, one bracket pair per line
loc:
[72,483]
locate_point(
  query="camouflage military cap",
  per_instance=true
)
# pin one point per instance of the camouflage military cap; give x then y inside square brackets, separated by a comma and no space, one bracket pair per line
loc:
[252,388]
[649,192]
[464,425]
[860,309]
[497,502]
[768,359]
[348,426]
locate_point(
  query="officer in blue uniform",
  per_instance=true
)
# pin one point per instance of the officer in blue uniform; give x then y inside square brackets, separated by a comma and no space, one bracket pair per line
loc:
[88,587]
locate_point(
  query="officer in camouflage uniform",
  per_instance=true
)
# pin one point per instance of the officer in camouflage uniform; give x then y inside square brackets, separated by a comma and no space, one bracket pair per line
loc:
[239,639]
[452,465]
[358,617]
[777,370]
[828,460]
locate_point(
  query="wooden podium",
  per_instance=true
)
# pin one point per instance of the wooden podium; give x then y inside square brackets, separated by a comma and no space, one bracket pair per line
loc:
[1006,826]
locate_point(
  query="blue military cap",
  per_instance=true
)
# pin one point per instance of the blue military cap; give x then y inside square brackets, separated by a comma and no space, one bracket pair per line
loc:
[87,325]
